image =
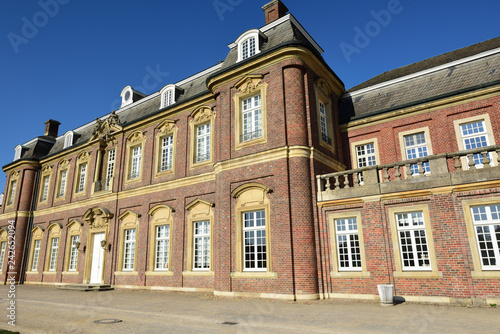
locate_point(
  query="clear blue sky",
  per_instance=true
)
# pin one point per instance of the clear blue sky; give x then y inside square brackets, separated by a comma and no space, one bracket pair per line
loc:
[73,65]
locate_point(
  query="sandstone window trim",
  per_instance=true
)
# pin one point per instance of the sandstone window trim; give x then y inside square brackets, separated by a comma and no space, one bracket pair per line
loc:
[337,271]
[404,137]
[323,93]
[135,157]
[36,248]
[53,247]
[72,256]
[62,180]
[45,184]
[202,117]
[82,173]
[400,272]
[250,87]
[3,248]
[11,194]
[366,144]
[252,197]
[478,271]
[160,216]
[199,211]
[129,222]
[165,154]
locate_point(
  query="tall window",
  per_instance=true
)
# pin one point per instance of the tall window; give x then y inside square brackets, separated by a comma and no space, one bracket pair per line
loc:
[248,48]
[365,156]
[323,120]
[73,256]
[413,241]
[62,183]
[254,235]
[45,190]
[3,246]
[53,254]
[486,221]
[348,249]
[167,149]
[167,98]
[68,139]
[252,118]
[12,192]
[135,168]
[82,176]
[129,250]
[201,244]
[474,135]
[110,168]
[202,142]
[36,255]
[416,147]
[162,247]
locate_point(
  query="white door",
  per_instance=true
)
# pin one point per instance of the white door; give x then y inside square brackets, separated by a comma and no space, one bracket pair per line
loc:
[97,259]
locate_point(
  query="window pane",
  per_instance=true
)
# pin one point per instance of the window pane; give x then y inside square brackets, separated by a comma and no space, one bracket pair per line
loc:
[254,233]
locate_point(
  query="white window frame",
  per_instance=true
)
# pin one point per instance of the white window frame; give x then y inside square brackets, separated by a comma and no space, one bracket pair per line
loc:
[251,118]
[167,153]
[162,247]
[45,190]
[487,217]
[167,94]
[473,134]
[54,248]
[12,193]
[347,229]
[17,152]
[73,256]
[36,255]
[323,120]
[201,245]
[110,167]
[417,149]
[244,46]
[129,239]
[135,164]
[365,156]
[203,142]
[256,231]
[413,218]
[3,247]
[62,183]
[68,139]
[82,178]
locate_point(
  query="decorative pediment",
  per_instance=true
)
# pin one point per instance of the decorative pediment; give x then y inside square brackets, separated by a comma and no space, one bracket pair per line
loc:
[14,175]
[47,170]
[249,84]
[63,164]
[97,217]
[199,208]
[251,194]
[136,138]
[323,88]
[202,114]
[83,156]
[166,127]
[105,130]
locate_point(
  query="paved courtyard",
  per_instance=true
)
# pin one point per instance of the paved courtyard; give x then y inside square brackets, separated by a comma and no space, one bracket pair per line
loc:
[41,309]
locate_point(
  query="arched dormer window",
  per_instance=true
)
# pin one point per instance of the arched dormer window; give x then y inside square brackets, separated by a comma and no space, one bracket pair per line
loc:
[168,95]
[68,139]
[18,151]
[248,44]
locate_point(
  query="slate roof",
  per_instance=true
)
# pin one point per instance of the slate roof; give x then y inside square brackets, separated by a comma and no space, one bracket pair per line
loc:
[361,101]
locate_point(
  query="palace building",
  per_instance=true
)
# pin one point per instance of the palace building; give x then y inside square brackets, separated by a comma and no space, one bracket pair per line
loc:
[263,177]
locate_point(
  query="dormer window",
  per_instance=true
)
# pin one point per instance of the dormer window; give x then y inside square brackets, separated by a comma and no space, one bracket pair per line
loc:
[169,95]
[18,151]
[248,44]
[68,139]
[130,95]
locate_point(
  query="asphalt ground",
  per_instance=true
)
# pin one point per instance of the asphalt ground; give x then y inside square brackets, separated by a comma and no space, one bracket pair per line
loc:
[43,309]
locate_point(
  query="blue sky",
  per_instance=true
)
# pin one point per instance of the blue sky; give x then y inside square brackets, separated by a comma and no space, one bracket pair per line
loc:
[69,59]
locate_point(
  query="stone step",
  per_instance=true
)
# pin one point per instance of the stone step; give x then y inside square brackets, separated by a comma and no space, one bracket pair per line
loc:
[86,287]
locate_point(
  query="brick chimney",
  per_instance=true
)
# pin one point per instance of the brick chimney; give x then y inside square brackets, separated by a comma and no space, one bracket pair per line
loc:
[51,128]
[274,11]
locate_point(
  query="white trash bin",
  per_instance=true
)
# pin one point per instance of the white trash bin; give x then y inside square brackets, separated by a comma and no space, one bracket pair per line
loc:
[386,293]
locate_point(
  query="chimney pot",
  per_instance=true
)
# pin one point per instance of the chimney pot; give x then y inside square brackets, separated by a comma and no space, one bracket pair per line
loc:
[274,10]
[51,128]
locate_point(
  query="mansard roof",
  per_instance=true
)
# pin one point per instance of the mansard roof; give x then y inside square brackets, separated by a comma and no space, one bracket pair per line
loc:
[468,69]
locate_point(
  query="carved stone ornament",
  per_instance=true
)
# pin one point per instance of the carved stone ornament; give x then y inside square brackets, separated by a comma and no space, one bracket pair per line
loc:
[63,164]
[103,130]
[84,156]
[203,114]
[249,84]
[97,217]
[166,127]
[136,138]
[323,88]
[47,170]
[14,175]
